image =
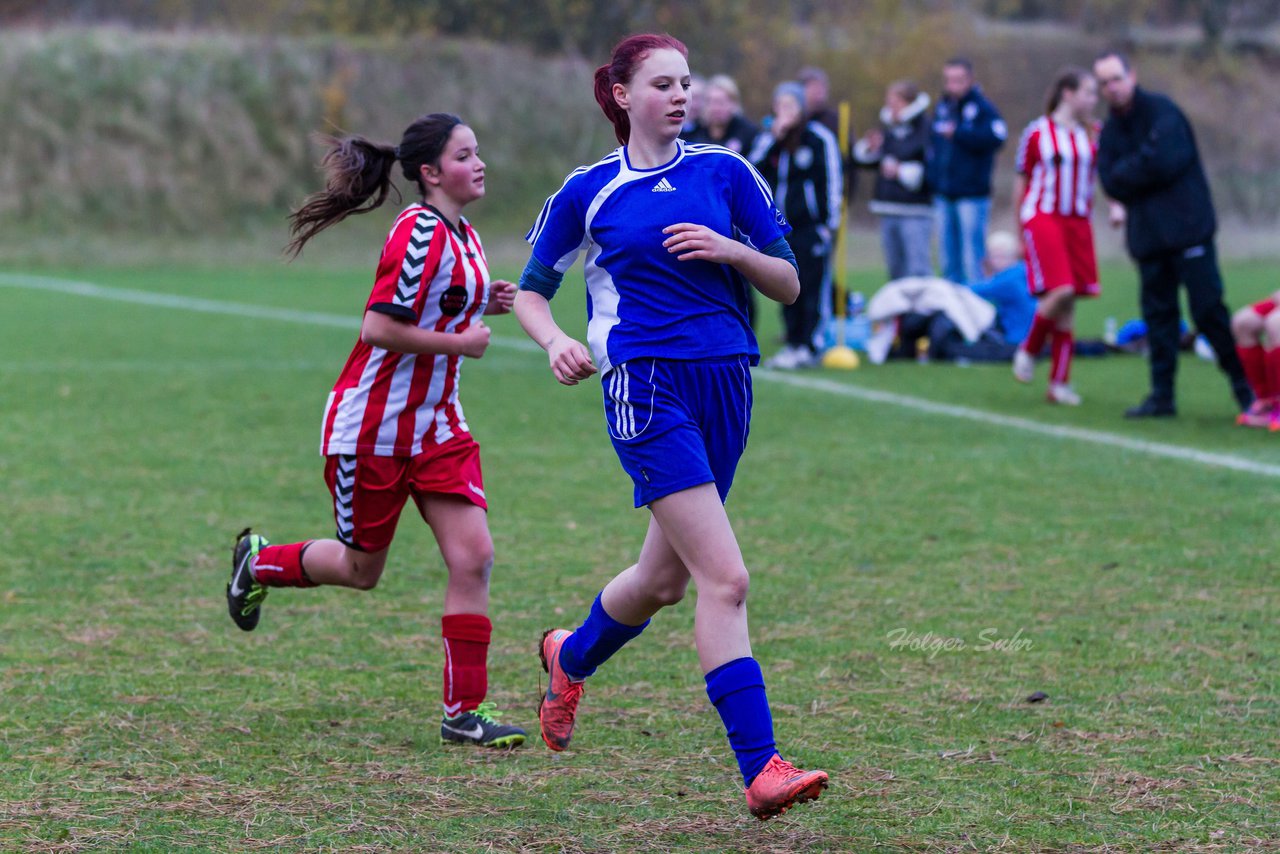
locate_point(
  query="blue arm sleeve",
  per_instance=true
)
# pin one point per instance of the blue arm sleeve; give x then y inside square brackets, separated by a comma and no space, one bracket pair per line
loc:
[541,279]
[777,249]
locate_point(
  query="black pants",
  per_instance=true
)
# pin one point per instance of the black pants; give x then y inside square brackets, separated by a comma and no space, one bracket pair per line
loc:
[1197,268]
[812,254]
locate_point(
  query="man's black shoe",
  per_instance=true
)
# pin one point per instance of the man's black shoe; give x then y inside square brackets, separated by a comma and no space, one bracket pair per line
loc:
[1152,407]
[1244,394]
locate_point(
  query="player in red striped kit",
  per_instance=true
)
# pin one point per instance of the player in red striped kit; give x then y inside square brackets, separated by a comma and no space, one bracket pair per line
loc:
[1054,198]
[393,427]
[1251,326]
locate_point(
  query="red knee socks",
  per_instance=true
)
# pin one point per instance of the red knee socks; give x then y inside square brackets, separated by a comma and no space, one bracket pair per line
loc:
[1041,327]
[281,566]
[466,652]
[1257,369]
[1063,345]
[1272,386]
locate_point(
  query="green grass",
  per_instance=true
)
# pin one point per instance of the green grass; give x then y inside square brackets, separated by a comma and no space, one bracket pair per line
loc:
[135,441]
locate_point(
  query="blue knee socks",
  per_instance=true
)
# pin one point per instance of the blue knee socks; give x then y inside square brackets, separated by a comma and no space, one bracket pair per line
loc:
[591,644]
[736,690]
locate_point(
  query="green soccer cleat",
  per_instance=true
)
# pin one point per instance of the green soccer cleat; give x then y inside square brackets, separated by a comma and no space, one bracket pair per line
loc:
[244,593]
[480,726]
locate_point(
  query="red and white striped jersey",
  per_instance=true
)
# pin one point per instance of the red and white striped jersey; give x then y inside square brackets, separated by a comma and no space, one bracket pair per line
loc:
[398,404]
[1059,165]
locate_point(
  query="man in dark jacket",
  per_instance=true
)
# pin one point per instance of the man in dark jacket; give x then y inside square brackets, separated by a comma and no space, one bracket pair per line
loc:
[1148,161]
[966,134]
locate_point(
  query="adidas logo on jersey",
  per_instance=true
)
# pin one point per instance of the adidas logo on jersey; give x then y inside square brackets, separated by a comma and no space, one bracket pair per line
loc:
[663,186]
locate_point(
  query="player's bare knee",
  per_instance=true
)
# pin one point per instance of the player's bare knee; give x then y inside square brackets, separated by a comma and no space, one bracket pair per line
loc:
[472,567]
[365,570]
[1271,328]
[362,579]
[669,592]
[1245,325]
[732,586]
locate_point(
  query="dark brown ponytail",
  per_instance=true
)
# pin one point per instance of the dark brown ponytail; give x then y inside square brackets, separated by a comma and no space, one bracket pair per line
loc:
[1069,79]
[358,175]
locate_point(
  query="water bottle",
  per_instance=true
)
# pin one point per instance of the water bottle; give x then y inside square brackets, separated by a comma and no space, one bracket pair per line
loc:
[859,328]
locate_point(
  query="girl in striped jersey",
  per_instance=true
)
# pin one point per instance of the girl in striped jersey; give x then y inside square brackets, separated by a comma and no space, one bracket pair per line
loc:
[674,235]
[1054,198]
[393,426]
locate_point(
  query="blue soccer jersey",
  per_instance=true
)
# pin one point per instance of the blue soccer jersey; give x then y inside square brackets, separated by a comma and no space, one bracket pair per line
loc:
[641,300]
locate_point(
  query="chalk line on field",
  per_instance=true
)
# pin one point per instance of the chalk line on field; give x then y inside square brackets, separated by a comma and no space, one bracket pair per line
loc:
[315,318]
[1057,431]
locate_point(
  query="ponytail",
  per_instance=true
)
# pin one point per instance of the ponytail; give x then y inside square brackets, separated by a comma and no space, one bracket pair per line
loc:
[1069,79]
[357,180]
[609,104]
[627,56]
[358,175]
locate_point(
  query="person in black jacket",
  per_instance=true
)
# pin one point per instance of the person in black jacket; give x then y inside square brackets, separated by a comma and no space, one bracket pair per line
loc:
[801,160]
[1148,161]
[722,122]
[901,198]
[967,133]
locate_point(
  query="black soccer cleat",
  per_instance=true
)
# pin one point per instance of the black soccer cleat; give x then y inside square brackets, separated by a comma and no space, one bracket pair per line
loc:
[480,727]
[244,593]
[1152,407]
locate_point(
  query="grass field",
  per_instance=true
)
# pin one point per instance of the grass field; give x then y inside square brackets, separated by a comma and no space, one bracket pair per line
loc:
[1138,592]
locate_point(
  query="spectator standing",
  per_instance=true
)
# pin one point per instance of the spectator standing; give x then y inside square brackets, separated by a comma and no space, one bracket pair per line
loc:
[967,132]
[800,159]
[693,109]
[817,98]
[722,122]
[901,199]
[1148,161]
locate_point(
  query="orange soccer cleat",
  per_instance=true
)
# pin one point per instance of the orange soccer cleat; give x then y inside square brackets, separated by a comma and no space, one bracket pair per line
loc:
[1261,413]
[559,705]
[780,786]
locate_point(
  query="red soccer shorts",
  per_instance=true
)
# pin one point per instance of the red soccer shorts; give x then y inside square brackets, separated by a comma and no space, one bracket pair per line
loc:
[1060,254]
[370,491]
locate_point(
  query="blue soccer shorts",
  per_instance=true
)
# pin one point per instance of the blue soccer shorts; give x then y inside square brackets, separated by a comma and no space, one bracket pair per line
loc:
[678,424]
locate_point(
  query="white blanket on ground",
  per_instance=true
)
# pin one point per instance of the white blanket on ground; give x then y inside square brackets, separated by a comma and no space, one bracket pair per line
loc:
[971,314]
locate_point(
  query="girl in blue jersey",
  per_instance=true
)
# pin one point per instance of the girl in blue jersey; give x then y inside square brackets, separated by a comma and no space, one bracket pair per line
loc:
[674,236]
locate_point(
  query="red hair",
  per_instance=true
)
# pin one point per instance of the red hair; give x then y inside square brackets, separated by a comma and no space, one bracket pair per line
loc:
[627,56]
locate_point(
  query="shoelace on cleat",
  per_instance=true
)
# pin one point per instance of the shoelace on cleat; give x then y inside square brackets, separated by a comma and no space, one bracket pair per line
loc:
[785,769]
[487,712]
[253,599]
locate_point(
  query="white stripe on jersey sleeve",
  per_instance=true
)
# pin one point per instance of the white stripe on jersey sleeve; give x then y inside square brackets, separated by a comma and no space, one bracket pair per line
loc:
[540,223]
[835,175]
[720,150]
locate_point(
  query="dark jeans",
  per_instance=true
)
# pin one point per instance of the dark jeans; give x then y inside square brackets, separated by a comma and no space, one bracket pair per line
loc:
[1197,268]
[812,252]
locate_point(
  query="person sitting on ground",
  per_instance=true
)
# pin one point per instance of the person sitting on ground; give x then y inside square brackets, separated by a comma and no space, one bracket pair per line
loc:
[1006,286]
[1256,329]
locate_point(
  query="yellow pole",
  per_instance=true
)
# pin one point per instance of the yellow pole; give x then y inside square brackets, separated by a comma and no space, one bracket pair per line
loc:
[841,356]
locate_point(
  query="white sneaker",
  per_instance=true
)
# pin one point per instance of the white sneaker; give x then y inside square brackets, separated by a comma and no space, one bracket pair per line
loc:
[806,358]
[1024,366]
[786,359]
[1063,394]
